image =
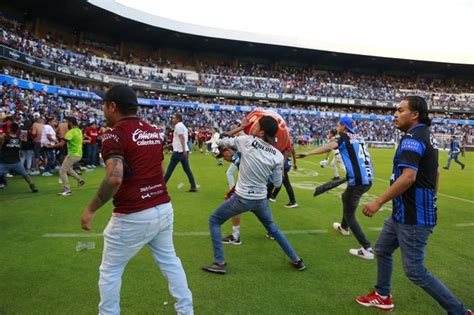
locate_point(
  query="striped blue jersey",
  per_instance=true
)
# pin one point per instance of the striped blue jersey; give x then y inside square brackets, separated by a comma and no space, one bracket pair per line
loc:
[356,158]
[454,147]
[417,205]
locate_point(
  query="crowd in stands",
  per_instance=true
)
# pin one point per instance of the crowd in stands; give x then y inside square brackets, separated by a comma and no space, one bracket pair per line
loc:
[26,107]
[249,76]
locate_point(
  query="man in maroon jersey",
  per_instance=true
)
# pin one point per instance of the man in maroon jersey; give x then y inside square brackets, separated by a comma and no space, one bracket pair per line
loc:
[143,214]
[90,139]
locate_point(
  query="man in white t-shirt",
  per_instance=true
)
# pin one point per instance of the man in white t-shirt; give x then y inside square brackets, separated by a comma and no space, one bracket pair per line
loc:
[337,159]
[48,137]
[259,161]
[214,146]
[180,152]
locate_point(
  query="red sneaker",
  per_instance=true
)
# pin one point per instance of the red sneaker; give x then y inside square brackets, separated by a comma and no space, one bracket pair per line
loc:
[374,300]
[469,312]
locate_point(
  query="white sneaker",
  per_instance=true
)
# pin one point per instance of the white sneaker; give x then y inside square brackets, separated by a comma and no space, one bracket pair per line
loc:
[65,193]
[272,199]
[8,175]
[337,226]
[362,253]
[47,174]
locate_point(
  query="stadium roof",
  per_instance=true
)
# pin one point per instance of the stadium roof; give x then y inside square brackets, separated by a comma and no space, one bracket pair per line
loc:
[424,30]
[79,15]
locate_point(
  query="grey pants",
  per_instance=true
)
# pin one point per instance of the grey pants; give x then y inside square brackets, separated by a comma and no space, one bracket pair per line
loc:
[66,168]
[350,200]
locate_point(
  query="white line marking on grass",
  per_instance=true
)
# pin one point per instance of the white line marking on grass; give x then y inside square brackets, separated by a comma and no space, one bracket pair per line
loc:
[386,181]
[464,224]
[375,228]
[91,235]
[72,235]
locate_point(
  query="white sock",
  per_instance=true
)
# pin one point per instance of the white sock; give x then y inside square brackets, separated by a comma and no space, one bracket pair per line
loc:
[236,231]
[384,297]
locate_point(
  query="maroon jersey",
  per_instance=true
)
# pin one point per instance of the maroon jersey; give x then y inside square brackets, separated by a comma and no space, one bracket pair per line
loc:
[141,148]
[92,134]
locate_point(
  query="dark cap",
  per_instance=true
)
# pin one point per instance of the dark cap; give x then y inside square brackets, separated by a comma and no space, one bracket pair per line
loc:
[269,125]
[123,95]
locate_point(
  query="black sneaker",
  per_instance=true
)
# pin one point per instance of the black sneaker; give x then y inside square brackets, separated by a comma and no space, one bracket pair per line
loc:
[335,178]
[463,166]
[299,264]
[446,168]
[231,240]
[215,267]
[270,237]
[291,205]
[33,188]
[81,183]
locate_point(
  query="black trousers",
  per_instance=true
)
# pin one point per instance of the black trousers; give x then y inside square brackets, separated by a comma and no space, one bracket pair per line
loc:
[273,192]
[350,200]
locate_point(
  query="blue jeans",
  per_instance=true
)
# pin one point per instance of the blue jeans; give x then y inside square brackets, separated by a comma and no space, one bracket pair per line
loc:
[91,154]
[455,157]
[412,240]
[176,158]
[124,236]
[237,205]
[49,155]
[27,156]
[16,167]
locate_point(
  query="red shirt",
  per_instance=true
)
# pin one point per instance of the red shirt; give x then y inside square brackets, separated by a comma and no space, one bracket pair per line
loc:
[141,147]
[92,134]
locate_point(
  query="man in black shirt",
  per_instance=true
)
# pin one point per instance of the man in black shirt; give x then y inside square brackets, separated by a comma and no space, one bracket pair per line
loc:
[413,189]
[10,159]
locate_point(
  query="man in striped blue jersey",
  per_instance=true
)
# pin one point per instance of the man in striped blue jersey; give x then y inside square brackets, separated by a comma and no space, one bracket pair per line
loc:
[413,188]
[360,174]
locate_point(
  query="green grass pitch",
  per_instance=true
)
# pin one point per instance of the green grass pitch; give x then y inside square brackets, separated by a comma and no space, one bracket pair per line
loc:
[44,275]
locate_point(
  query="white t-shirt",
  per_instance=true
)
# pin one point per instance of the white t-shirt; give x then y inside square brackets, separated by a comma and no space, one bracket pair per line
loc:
[213,140]
[259,161]
[47,130]
[180,129]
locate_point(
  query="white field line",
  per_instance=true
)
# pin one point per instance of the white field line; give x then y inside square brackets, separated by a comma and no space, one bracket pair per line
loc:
[464,224]
[386,181]
[375,228]
[91,235]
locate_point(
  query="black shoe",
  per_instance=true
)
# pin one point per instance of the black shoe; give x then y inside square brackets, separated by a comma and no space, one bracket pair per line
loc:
[81,183]
[215,267]
[270,237]
[231,240]
[192,190]
[463,166]
[299,264]
[291,205]
[335,178]
[33,188]
[446,168]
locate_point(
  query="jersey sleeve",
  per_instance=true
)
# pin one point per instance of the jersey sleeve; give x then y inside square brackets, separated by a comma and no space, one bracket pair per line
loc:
[340,138]
[180,129]
[228,142]
[411,152]
[69,135]
[112,145]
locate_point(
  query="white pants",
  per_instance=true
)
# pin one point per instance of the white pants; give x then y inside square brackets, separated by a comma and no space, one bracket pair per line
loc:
[124,236]
[337,161]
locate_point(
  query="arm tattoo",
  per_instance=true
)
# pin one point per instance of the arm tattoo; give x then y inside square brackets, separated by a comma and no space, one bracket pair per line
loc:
[107,190]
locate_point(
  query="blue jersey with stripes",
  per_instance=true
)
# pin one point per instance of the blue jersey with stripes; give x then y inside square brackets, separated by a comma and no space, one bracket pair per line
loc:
[417,205]
[454,147]
[356,158]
